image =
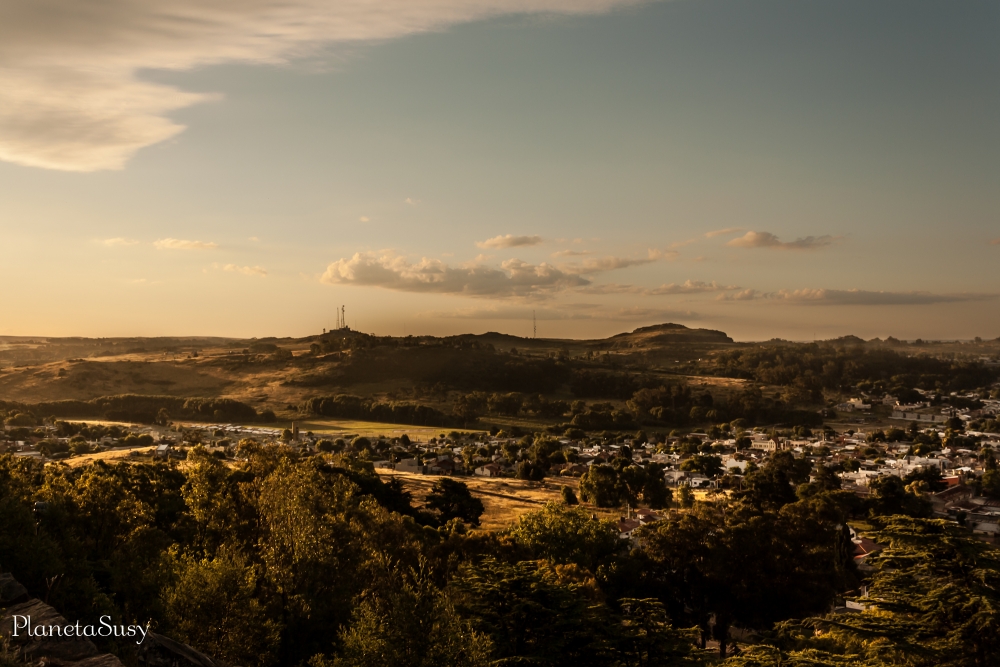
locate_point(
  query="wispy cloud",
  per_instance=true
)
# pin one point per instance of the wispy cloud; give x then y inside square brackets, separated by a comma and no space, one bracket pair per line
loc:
[119,242]
[245,270]
[690,287]
[571,253]
[610,263]
[724,232]
[769,240]
[411,201]
[71,98]
[686,287]
[390,271]
[854,297]
[586,311]
[509,241]
[995,242]
[181,244]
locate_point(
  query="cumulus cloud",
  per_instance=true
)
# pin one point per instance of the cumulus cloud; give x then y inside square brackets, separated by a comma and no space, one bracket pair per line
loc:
[854,297]
[509,241]
[513,278]
[769,240]
[71,98]
[118,242]
[245,270]
[181,244]
[724,232]
[743,295]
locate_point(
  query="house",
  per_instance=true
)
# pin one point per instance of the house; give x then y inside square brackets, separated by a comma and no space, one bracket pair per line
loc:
[770,445]
[950,497]
[626,527]
[489,470]
[730,463]
[162,451]
[646,516]
[863,548]
[385,465]
[674,477]
[410,466]
[443,466]
[920,416]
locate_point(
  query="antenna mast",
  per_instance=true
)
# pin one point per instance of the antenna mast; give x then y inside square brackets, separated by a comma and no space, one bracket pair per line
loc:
[534,325]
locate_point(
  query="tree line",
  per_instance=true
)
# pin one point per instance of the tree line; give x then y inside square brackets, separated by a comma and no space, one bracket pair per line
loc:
[143,409]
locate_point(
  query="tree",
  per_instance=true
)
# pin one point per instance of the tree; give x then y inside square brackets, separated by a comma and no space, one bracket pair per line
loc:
[531,616]
[453,500]
[211,604]
[770,487]
[647,638]
[746,567]
[405,621]
[889,496]
[569,496]
[600,486]
[710,466]
[655,492]
[934,596]
[566,535]
[932,601]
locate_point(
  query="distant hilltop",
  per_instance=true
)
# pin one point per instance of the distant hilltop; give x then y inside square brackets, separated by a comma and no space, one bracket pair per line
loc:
[670,333]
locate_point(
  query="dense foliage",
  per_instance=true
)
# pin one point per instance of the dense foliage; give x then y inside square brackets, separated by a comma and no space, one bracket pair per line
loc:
[823,366]
[281,558]
[346,406]
[144,409]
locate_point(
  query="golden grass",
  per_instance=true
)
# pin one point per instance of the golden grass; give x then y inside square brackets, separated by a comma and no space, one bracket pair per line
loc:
[504,499]
[115,455]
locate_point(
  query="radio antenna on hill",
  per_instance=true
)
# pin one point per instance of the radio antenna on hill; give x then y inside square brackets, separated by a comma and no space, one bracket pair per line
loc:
[534,325]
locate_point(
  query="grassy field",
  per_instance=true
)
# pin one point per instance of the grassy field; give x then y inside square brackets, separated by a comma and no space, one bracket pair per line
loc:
[340,427]
[115,455]
[504,500]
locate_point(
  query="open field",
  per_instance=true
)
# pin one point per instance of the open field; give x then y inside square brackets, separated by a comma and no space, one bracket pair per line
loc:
[339,427]
[504,500]
[110,456]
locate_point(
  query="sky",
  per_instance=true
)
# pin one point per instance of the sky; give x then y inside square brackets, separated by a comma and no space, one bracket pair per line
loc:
[799,169]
